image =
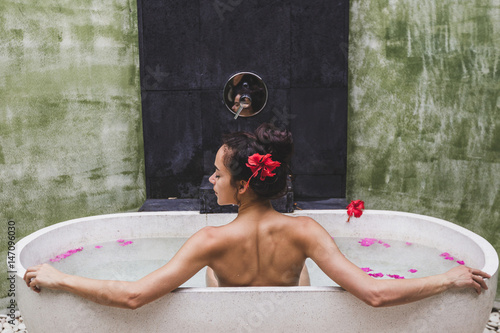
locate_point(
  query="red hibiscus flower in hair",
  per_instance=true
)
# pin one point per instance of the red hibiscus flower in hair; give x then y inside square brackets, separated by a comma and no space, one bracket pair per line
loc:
[264,163]
[355,208]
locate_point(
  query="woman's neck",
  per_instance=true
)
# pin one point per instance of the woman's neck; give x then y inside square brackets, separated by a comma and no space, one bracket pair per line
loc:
[253,207]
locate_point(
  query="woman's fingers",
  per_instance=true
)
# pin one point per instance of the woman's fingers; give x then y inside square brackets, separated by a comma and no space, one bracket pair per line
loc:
[33,286]
[465,277]
[481,273]
[30,278]
[478,279]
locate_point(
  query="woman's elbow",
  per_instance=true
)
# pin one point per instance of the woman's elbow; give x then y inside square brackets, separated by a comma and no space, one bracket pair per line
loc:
[373,297]
[374,302]
[134,301]
[133,304]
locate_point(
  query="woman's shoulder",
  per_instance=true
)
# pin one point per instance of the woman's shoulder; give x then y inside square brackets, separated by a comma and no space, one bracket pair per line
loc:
[304,221]
[222,234]
[300,225]
[306,232]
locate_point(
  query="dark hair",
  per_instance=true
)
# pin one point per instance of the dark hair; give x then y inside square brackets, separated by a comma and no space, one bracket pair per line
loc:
[266,139]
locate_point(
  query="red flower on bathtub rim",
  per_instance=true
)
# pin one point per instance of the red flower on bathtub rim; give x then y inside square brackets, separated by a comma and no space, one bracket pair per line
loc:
[355,208]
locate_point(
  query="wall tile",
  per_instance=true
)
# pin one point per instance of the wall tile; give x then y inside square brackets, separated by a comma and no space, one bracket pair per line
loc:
[172,135]
[319,31]
[170,45]
[319,129]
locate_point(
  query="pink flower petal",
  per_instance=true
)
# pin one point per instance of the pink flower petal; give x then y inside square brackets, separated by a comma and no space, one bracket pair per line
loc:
[376,275]
[408,243]
[367,241]
[120,240]
[460,262]
[412,270]
[445,254]
[98,246]
[366,269]
[449,258]
[66,254]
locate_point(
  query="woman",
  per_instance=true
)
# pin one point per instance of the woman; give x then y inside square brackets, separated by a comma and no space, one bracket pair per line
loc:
[261,247]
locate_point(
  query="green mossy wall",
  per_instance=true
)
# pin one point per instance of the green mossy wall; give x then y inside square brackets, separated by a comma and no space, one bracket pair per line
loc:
[424,109]
[70,115]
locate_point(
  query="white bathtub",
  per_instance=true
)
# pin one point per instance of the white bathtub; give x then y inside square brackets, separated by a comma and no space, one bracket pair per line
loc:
[255,309]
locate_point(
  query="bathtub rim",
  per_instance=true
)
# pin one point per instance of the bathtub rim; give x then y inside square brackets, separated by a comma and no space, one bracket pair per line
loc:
[490,266]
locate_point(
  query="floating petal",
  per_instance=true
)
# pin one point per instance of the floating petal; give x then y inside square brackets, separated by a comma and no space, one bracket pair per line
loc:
[376,275]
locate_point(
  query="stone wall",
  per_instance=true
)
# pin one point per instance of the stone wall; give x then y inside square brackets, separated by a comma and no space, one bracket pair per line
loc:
[424,104]
[70,115]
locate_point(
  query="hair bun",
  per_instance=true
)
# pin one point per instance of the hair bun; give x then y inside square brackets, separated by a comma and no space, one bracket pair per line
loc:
[267,139]
[275,141]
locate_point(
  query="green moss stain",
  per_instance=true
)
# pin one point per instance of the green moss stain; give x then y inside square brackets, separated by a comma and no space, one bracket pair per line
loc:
[380,170]
[85,34]
[63,180]
[495,140]
[2,157]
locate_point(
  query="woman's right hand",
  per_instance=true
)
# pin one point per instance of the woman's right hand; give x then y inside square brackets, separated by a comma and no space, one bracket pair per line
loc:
[466,277]
[43,275]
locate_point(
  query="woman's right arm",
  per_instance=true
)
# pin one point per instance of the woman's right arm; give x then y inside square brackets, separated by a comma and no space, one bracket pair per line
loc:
[321,248]
[195,254]
[105,292]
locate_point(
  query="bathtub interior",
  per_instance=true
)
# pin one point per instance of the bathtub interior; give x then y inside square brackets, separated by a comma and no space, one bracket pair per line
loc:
[56,239]
[414,228]
[428,231]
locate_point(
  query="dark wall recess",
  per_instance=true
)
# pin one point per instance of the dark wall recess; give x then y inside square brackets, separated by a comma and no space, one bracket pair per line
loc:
[188,50]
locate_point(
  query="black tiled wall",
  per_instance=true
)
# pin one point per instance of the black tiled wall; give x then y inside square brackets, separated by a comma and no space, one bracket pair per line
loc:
[188,51]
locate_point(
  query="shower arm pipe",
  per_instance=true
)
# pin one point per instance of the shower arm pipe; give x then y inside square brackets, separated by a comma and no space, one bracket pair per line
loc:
[246,104]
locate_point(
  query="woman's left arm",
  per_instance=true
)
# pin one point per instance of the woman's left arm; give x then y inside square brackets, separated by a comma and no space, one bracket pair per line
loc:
[321,248]
[195,254]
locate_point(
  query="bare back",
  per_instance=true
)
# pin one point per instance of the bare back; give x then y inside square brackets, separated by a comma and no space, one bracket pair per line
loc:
[263,252]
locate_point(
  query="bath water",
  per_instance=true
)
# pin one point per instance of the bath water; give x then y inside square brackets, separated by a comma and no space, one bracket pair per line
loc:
[387,257]
[131,259]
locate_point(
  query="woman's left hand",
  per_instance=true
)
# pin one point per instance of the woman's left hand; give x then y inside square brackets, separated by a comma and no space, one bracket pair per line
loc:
[44,276]
[466,277]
